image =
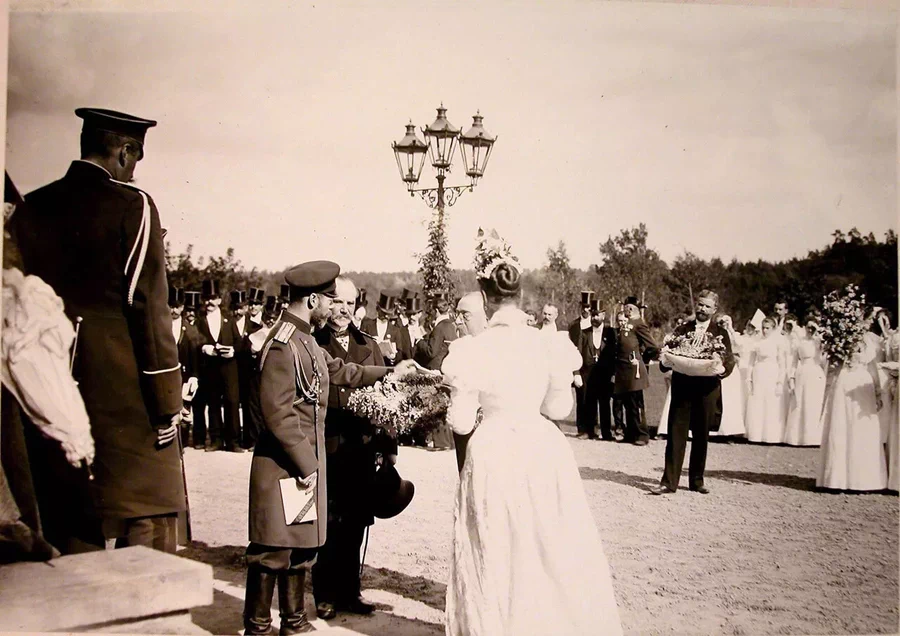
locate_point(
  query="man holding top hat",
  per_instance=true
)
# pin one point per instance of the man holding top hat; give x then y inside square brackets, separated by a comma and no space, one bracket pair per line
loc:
[219,383]
[97,241]
[295,378]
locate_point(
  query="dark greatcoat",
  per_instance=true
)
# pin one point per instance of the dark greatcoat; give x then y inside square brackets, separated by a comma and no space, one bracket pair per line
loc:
[292,440]
[351,442]
[98,244]
[634,340]
[434,347]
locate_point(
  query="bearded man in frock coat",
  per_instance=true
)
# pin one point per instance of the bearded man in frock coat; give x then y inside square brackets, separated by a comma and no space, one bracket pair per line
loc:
[695,404]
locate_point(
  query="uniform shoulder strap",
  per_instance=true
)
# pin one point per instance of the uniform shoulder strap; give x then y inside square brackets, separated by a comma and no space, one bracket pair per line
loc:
[284,332]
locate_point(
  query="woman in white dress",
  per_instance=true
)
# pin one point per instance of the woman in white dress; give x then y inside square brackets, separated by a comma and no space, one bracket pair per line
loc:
[765,406]
[852,455]
[888,372]
[807,390]
[527,556]
[732,389]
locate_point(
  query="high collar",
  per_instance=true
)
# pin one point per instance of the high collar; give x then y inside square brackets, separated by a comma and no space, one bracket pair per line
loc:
[301,324]
[510,316]
[88,169]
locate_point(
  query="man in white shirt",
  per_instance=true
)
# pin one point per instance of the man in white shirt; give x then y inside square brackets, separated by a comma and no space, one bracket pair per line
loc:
[781,312]
[219,384]
[549,314]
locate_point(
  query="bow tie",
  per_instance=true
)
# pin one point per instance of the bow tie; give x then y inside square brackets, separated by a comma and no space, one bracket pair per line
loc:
[342,334]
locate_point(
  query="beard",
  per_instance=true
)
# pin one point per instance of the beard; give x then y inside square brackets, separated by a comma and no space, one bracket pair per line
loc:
[319,317]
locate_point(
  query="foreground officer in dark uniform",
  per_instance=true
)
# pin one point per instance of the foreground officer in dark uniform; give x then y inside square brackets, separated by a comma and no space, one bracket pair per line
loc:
[351,445]
[97,241]
[295,375]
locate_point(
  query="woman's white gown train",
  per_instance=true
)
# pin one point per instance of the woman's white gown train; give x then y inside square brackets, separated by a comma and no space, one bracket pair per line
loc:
[527,556]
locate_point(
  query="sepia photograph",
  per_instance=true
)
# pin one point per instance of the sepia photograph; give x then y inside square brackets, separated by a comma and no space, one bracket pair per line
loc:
[475,319]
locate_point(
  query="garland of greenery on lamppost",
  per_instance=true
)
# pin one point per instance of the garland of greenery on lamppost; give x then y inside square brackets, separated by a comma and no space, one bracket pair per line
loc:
[475,147]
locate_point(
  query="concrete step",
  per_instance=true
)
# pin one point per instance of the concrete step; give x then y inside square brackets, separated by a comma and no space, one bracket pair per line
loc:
[132,590]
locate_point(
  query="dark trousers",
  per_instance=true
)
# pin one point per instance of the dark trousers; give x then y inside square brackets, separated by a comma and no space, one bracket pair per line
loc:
[159,532]
[597,397]
[252,411]
[694,411]
[276,559]
[635,421]
[336,572]
[580,421]
[218,387]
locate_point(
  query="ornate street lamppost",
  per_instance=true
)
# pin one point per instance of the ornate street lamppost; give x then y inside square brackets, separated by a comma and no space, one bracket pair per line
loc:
[441,139]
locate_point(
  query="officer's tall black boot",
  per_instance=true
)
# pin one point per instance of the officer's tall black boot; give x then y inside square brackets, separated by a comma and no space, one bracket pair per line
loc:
[258,601]
[290,600]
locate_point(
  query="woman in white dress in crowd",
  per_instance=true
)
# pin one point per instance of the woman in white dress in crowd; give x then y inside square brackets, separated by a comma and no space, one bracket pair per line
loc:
[527,556]
[852,455]
[732,388]
[766,415]
[746,341]
[889,369]
[806,387]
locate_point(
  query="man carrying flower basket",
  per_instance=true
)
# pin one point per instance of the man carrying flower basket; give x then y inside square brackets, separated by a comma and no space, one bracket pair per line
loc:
[699,354]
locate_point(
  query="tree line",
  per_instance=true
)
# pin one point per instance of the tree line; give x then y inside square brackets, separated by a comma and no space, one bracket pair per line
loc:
[628,265]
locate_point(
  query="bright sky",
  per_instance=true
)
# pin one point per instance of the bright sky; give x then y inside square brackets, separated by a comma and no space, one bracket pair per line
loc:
[730,131]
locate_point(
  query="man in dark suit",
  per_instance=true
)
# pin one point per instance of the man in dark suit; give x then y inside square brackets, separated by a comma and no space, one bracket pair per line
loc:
[219,386]
[695,402]
[295,376]
[634,348]
[387,331]
[433,348]
[598,355]
[247,365]
[352,446]
[97,241]
[191,305]
[577,326]
[188,340]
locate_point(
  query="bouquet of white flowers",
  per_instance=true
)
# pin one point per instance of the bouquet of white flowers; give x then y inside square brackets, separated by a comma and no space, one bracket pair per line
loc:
[843,325]
[689,354]
[403,405]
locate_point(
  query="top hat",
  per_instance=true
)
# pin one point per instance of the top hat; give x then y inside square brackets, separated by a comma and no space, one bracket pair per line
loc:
[595,306]
[361,297]
[176,296]
[413,305]
[586,298]
[387,303]
[191,299]
[406,294]
[211,289]
[271,304]
[238,297]
[285,293]
[390,493]
[256,296]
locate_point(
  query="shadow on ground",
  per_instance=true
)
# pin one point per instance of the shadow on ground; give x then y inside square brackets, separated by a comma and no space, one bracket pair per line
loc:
[616,476]
[224,616]
[767,479]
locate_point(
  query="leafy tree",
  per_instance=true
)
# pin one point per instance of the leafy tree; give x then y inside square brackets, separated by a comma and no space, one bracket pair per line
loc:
[558,283]
[434,264]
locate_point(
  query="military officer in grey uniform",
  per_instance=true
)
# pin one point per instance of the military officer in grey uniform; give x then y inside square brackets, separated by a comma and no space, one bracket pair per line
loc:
[97,241]
[295,374]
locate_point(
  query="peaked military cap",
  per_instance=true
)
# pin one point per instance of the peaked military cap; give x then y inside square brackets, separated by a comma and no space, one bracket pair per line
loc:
[440,296]
[115,122]
[632,300]
[211,289]
[586,298]
[238,297]
[312,277]
[176,296]
[256,296]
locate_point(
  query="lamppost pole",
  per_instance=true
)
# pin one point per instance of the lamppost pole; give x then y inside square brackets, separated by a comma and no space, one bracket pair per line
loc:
[441,139]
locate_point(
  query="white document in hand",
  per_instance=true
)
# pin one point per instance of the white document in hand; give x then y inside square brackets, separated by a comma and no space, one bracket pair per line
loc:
[299,503]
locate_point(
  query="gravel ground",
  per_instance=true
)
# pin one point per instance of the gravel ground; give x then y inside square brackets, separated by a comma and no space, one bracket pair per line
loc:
[763,554]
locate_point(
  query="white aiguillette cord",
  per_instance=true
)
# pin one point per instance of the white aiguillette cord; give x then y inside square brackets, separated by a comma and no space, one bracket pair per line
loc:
[78,321]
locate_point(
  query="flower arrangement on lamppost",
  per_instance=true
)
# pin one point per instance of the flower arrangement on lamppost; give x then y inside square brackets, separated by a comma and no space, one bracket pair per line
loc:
[441,139]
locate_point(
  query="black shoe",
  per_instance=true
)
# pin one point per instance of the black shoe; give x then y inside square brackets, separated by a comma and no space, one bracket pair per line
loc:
[290,603]
[703,490]
[581,436]
[235,449]
[214,446]
[661,490]
[641,442]
[325,611]
[258,601]
[356,606]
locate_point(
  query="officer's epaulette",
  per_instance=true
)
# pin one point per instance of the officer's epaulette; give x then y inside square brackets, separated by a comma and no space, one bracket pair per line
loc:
[284,333]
